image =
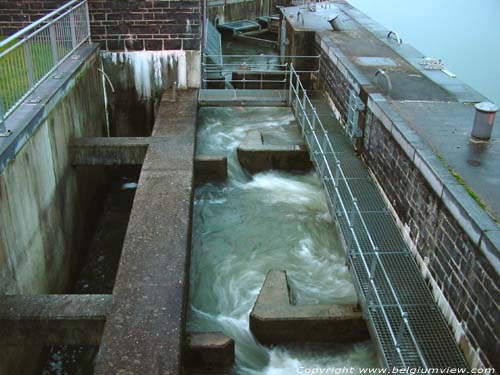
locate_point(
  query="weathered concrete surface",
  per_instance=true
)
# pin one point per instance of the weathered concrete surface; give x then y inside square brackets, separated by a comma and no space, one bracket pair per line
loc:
[144,332]
[246,98]
[109,151]
[53,319]
[208,351]
[47,207]
[210,168]
[256,155]
[275,321]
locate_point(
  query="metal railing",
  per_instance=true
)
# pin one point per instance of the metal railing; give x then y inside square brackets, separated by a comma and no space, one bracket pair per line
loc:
[32,54]
[256,71]
[344,205]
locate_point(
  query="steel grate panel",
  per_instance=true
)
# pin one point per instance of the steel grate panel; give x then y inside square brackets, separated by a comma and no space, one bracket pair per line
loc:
[385,237]
[423,337]
[366,193]
[402,272]
[431,332]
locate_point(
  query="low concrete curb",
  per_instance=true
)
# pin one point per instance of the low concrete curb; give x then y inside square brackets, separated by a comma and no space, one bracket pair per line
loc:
[275,321]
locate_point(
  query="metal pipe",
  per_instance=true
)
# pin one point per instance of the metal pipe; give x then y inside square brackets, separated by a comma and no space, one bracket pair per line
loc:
[483,121]
[395,34]
[384,74]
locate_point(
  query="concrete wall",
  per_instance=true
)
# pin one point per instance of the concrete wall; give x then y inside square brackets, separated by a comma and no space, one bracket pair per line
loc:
[453,259]
[118,25]
[47,206]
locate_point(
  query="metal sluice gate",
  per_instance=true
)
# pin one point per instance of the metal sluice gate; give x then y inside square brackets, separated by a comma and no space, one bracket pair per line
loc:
[405,322]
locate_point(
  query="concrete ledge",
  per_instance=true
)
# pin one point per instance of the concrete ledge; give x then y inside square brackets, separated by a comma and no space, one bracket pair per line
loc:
[208,350]
[144,333]
[256,156]
[275,321]
[53,319]
[210,168]
[27,118]
[109,151]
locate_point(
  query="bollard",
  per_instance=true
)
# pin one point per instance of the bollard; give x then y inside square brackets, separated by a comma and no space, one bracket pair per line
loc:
[483,122]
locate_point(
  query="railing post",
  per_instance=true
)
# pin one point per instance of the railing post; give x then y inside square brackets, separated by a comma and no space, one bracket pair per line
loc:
[399,338]
[29,63]
[351,224]
[373,269]
[3,131]
[290,86]
[87,20]
[72,27]
[53,44]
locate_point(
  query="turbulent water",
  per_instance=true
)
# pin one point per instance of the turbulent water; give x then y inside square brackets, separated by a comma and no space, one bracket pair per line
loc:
[248,226]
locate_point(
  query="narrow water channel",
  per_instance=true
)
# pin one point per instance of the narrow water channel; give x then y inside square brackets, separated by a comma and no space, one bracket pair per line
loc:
[250,225]
[99,267]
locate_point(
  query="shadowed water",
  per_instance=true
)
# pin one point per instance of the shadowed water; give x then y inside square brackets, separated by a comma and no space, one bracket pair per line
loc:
[250,225]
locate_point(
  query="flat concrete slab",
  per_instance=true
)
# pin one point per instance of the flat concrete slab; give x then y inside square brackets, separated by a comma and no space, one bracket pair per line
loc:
[257,154]
[53,319]
[145,330]
[446,127]
[274,320]
[249,98]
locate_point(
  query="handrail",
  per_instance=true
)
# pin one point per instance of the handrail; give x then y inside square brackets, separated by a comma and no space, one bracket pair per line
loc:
[32,54]
[35,24]
[354,213]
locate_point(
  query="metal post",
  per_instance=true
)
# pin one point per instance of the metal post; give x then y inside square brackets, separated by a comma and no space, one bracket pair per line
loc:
[3,131]
[72,27]
[29,63]
[399,339]
[325,140]
[290,86]
[87,19]
[304,108]
[313,121]
[53,43]
[174,91]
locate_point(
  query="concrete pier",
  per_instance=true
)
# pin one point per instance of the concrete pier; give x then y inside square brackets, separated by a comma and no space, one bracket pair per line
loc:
[144,332]
[274,320]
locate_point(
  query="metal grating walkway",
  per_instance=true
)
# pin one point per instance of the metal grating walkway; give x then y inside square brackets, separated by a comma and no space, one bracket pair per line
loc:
[403,318]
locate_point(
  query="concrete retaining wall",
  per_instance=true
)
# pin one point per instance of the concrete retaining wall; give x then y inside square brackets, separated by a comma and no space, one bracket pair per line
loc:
[44,202]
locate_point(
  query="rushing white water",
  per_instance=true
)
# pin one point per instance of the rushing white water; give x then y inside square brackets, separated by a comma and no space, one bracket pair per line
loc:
[250,225]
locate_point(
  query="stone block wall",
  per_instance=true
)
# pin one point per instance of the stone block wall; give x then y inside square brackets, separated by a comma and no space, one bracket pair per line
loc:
[119,25]
[461,271]
[464,282]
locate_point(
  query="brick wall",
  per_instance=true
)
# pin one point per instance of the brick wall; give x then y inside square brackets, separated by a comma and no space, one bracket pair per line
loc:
[463,274]
[333,83]
[461,271]
[121,24]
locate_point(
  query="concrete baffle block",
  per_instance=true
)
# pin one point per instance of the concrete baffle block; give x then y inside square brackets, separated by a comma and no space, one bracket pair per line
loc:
[274,320]
[210,168]
[208,350]
[256,155]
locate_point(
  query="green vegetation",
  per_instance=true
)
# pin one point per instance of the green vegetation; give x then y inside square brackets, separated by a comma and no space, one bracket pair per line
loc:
[469,190]
[14,78]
